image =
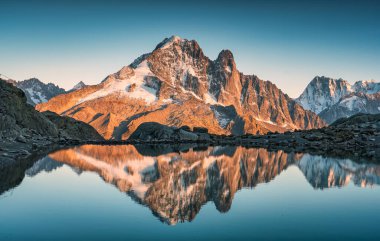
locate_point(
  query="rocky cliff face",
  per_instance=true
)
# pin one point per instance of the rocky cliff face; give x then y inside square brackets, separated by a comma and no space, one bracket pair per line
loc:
[175,185]
[19,119]
[176,85]
[332,99]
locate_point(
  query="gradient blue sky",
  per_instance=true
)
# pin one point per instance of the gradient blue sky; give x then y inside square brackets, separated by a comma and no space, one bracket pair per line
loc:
[286,42]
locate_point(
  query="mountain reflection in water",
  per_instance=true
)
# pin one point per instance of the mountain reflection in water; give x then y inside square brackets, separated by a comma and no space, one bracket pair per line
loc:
[175,185]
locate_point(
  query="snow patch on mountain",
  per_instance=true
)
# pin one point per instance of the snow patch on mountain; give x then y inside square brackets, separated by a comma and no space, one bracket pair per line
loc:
[353,102]
[169,41]
[210,99]
[133,86]
[36,95]
[367,87]
[38,92]
[323,92]
[222,118]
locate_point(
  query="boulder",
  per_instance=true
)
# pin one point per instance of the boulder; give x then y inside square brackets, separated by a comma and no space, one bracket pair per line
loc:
[73,129]
[200,130]
[152,131]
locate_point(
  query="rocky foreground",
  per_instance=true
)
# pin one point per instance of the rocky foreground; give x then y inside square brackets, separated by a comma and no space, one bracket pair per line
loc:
[25,131]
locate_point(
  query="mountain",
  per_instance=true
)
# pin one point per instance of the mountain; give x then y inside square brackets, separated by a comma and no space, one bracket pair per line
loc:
[352,104]
[323,92]
[176,85]
[78,86]
[37,92]
[336,98]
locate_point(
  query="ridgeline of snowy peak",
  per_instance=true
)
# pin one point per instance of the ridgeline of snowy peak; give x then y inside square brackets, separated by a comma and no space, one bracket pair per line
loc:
[78,86]
[176,84]
[336,98]
[37,92]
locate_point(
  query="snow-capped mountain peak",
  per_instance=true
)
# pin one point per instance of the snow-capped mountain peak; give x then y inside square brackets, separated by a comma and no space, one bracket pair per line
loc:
[323,92]
[366,86]
[336,98]
[38,92]
[78,86]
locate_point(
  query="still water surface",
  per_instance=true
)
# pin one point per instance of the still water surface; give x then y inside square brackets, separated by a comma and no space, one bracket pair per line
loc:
[130,192]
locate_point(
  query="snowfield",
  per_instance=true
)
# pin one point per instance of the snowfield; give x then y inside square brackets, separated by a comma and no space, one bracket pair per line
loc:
[123,86]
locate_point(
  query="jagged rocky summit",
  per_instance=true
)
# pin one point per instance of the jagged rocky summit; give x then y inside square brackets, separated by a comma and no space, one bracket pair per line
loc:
[177,85]
[37,92]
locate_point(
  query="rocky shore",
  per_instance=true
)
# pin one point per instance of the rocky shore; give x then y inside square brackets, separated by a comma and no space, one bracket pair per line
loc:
[25,132]
[355,137]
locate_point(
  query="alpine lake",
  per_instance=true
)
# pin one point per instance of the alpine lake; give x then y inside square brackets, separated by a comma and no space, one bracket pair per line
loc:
[145,192]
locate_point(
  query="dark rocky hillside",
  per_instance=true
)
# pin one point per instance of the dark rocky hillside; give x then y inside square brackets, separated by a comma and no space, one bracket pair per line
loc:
[23,129]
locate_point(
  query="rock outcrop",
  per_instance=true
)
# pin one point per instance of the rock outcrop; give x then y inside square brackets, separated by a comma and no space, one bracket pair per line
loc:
[23,129]
[70,128]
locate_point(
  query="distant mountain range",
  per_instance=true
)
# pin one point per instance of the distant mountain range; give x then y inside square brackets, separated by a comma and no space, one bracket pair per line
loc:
[38,92]
[332,99]
[176,85]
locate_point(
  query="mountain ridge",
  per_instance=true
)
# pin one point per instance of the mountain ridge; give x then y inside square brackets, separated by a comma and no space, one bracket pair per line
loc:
[175,85]
[332,99]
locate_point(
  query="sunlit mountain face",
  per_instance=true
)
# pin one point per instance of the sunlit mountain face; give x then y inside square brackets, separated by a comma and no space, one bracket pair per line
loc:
[175,184]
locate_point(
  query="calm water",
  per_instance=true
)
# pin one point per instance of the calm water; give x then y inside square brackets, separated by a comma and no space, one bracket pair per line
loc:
[221,193]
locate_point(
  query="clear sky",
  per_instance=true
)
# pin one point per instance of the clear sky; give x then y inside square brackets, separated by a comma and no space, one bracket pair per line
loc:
[286,42]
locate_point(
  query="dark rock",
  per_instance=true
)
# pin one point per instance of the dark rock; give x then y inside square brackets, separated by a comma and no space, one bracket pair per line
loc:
[72,128]
[21,139]
[187,136]
[185,128]
[200,130]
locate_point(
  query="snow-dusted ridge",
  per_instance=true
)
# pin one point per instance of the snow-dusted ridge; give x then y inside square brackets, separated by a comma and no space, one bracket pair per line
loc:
[132,86]
[322,93]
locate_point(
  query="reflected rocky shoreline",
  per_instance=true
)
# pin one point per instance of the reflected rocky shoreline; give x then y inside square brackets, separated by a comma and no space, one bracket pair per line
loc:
[176,181]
